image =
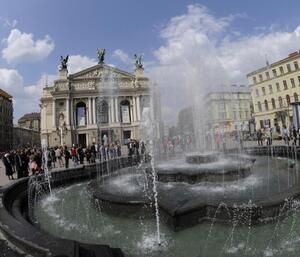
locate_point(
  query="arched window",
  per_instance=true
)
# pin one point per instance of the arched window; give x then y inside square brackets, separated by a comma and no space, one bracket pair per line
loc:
[259,106]
[266,105]
[102,115]
[273,103]
[288,100]
[81,114]
[125,111]
[280,102]
[296,97]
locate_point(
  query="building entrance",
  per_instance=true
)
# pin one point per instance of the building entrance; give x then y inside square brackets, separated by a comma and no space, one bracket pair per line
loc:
[82,140]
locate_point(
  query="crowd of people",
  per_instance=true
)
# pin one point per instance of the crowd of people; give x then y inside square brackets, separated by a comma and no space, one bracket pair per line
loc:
[26,161]
[289,135]
[178,143]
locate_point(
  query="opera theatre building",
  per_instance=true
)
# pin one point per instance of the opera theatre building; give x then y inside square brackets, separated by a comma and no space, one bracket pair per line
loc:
[100,101]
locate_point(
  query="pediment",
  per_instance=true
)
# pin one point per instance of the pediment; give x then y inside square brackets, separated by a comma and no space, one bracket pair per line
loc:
[101,71]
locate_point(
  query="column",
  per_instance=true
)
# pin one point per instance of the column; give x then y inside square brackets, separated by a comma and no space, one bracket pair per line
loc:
[134,108]
[45,117]
[67,111]
[53,114]
[90,112]
[138,108]
[109,114]
[94,110]
[42,117]
[112,111]
[117,109]
[131,110]
[72,112]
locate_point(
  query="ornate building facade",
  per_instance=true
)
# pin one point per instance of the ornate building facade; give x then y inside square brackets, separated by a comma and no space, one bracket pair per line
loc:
[98,102]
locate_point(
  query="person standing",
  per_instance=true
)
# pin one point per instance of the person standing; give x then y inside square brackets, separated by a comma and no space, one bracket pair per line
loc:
[58,156]
[8,166]
[294,133]
[67,156]
[80,154]
[259,137]
[143,148]
[217,139]
[286,135]
[74,154]
[93,152]
[18,163]
[268,136]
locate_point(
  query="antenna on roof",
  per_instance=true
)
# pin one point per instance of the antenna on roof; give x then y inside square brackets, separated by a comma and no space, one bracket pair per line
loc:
[267,62]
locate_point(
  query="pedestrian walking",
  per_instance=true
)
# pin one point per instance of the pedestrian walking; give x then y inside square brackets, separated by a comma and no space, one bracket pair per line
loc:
[8,166]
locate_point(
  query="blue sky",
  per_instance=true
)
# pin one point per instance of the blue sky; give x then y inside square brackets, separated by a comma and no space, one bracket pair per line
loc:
[34,33]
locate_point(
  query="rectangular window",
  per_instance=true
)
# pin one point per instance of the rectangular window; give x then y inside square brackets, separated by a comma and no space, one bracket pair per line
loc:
[278,87]
[234,115]
[285,87]
[261,124]
[257,92]
[281,70]
[293,82]
[288,66]
[254,80]
[270,89]
[267,75]
[299,80]
[274,73]
[260,77]
[263,90]
[296,65]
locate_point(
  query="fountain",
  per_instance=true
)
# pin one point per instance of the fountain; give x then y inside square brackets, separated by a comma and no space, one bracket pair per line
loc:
[253,193]
[238,202]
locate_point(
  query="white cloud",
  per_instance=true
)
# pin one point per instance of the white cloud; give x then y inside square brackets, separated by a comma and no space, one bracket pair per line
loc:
[11,81]
[26,98]
[79,62]
[120,55]
[21,47]
[8,23]
[201,52]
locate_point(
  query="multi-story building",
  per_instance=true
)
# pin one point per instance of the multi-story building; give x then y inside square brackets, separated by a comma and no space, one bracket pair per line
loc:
[273,89]
[185,125]
[229,110]
[25,137]
[100,103]
[6,121]
[30,121]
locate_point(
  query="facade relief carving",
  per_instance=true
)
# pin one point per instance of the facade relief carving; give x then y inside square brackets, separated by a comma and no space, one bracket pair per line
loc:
[61,86]
[85,85]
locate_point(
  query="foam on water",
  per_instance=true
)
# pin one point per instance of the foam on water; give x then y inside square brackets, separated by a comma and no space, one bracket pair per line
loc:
[227,186]
[129,183]
[148,243]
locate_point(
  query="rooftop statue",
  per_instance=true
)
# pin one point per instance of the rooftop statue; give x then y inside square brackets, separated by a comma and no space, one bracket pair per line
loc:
[138,61]
[64,62]
[100,54]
